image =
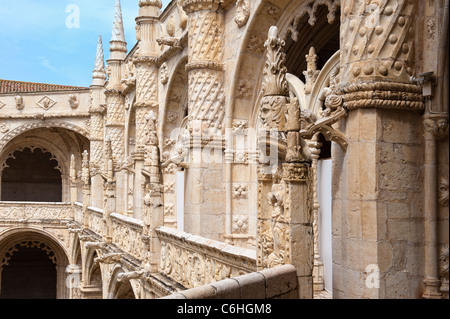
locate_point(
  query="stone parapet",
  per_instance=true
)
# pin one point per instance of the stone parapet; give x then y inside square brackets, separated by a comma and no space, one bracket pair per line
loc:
[273,283]
[195,261]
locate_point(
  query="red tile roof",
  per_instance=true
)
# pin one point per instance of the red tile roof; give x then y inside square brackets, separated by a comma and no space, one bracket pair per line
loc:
[9,86]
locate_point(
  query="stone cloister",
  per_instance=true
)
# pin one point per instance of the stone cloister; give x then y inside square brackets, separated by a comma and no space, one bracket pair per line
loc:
[241,149]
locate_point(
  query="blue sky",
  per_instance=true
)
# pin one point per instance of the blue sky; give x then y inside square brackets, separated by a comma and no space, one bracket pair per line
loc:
[41,41]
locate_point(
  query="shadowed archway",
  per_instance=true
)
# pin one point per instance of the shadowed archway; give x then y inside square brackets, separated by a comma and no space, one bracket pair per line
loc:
[31,175]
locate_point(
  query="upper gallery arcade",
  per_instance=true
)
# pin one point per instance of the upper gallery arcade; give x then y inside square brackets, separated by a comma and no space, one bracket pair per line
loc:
[299,147]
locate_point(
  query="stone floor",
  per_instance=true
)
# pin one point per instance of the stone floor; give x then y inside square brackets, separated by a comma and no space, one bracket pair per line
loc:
[322,295]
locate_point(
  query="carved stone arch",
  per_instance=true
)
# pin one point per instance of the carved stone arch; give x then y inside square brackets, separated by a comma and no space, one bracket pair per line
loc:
[175,108]
[43,145]
[14,238]
[90,265]
[76,251]
[250,64]
[47,124]
[121,289]
[61,143]
[130,133]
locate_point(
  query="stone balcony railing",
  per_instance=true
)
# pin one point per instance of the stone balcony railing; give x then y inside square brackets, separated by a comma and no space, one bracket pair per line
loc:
[190,260]
[127,235]
[195,261]
[34,211]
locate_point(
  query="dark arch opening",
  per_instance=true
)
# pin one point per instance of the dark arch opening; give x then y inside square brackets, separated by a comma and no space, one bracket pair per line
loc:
[31,175]
[323,36]
[124,291]
[30,274]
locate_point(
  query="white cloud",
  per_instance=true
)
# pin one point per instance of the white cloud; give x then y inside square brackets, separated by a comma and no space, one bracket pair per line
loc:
[46,63]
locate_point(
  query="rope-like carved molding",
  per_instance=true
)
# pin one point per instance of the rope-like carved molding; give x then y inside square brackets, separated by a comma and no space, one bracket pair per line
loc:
[386,95]
[28,244]
[210,65]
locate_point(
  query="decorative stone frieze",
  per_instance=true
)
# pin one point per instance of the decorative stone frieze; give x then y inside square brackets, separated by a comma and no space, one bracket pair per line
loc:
[207,260]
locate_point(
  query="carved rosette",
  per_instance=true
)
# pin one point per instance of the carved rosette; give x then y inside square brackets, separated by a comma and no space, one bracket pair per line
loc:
[377,55]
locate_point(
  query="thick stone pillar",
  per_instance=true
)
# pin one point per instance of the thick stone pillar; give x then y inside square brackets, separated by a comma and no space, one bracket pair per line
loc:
[377,182]
[115,108]
[205,203]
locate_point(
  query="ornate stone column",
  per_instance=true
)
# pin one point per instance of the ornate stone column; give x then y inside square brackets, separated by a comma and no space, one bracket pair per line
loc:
[435,128]
[375,189]
[73,182]
[318,264]
[97,111]
[115,105]
[204,204]
[147,30]
[86,189]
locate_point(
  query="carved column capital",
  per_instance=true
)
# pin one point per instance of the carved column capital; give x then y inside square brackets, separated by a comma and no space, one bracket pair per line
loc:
[377,55]
[152,3]
[295,172]
[436,125]
[190,6]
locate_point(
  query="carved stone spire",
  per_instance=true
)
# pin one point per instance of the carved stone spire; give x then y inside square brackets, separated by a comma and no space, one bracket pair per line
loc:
[118,43]
[118,33]
[99,73]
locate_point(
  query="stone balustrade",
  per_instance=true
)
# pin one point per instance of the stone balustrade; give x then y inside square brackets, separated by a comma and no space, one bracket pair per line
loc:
[127,234]
[195,261]
[33,211]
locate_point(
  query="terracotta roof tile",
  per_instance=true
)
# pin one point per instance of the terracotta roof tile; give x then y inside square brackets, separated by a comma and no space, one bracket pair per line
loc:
[9,86]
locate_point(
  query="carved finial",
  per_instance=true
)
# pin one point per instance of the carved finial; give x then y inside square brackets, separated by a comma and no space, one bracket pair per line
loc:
[85,174]
[182,14]
[99,73]
[73,170]
[275,82]
[110,170]
[275,88]
[242,12]
[311,72]
[118,33]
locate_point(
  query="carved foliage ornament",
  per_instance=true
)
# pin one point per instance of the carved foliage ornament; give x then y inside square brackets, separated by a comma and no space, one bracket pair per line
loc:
[242,12]
[443,191]
[275,82]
